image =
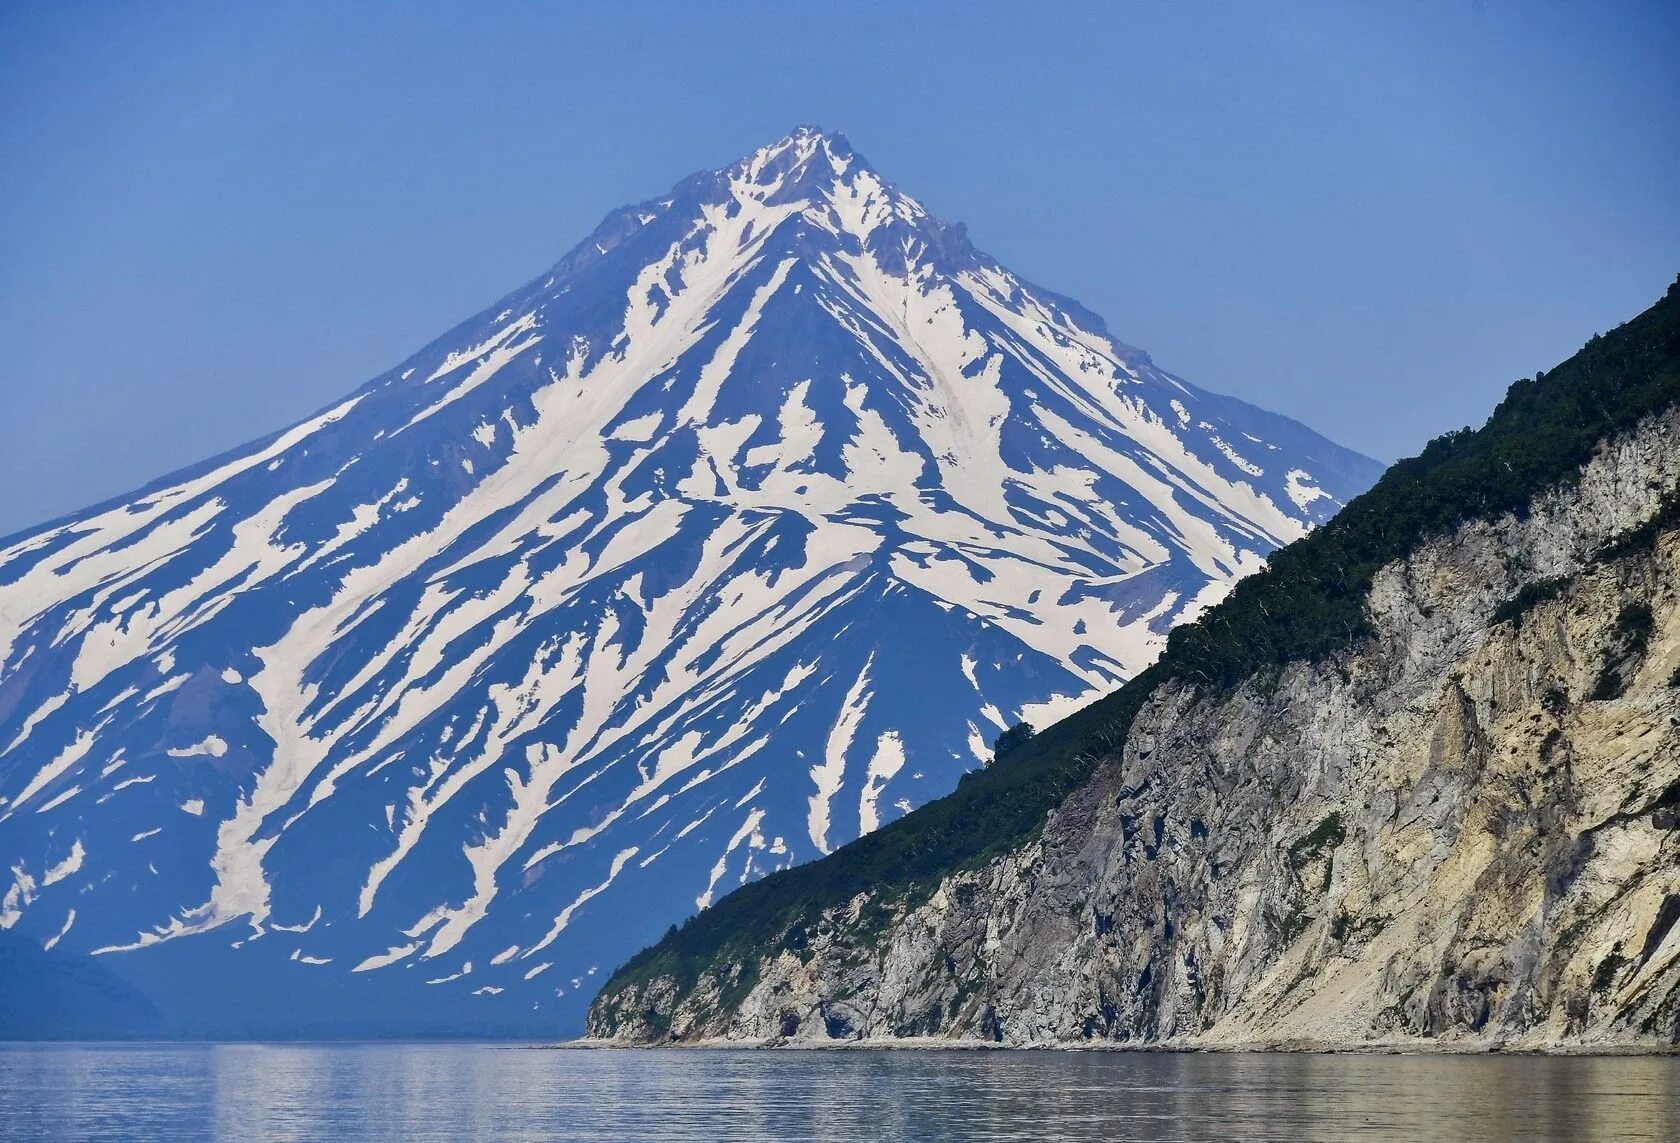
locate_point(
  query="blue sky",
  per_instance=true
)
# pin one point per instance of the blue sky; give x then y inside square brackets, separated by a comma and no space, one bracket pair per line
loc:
[216,218]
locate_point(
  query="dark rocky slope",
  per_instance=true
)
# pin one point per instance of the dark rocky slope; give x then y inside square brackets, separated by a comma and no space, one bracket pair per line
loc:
[1418,783]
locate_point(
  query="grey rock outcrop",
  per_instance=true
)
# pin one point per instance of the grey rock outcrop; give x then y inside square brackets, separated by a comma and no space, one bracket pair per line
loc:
[1463,832]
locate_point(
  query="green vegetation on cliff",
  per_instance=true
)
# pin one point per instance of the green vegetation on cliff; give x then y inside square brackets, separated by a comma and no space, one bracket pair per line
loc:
[1309,601]
[1307,604]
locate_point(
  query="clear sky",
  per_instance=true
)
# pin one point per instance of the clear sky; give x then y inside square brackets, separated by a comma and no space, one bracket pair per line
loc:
[216,218]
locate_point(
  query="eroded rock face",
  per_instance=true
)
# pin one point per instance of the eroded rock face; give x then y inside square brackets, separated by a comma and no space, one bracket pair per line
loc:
[1464,832]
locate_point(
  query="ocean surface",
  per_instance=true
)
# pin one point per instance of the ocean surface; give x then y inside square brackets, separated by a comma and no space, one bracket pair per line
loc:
[494,1092]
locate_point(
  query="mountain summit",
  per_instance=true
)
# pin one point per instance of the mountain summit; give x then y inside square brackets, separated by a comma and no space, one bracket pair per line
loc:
[741,532]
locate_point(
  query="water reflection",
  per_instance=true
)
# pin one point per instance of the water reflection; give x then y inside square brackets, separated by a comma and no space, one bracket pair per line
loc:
[442,1091]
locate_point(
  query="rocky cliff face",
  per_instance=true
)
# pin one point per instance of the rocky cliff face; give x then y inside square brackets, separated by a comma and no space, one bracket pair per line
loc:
[1465,831]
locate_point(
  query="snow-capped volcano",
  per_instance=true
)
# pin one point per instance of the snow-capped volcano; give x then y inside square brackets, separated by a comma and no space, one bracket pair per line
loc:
[741,531]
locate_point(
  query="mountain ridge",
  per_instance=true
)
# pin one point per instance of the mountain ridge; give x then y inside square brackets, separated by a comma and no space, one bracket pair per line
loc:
[736,534]
[1272,706]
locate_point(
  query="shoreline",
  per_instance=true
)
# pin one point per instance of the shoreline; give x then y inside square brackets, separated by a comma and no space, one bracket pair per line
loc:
[1314,1048]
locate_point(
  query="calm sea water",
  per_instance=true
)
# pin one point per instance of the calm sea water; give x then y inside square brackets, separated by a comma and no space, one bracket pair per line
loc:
[445,1091]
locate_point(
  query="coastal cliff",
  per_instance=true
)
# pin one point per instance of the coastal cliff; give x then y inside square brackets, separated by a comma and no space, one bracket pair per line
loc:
[1455,823]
